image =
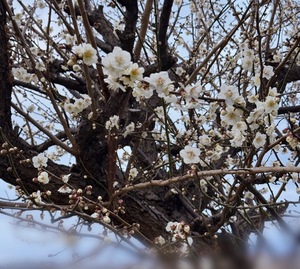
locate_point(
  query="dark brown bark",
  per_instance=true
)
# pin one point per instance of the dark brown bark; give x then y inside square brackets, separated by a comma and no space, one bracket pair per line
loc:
[5,74]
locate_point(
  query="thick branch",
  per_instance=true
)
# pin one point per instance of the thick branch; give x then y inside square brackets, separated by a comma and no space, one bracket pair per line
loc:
[127,37]
[5,74]
[288,109]
[201,174]
[103,27]
[165,59]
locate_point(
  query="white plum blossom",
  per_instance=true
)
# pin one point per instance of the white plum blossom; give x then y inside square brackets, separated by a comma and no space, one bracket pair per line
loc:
[40,160]
[240,126]
[133,172]
[193,92]
[79,104]
[232,115]
[259,140]
[247,64]
[129,129]
[171,226]
[87,53]
[132,74]
[204,140]
[64,189]
[37,197]
[43,177]
[190,154]
[65,178]
[120,70]
[228,93]
[268,72]
[159,240]
[256,80]
[116,62]
[179,71]
[160,82]
[142,90]
[238,140]
[112,122]
[270,105]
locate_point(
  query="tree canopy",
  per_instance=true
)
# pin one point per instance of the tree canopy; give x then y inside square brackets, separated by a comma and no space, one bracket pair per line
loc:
[173,122]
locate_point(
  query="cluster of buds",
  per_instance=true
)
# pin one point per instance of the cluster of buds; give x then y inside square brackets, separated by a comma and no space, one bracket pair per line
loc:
[129,231]
[120,207]
[102,214]
[76,196]
[6,149]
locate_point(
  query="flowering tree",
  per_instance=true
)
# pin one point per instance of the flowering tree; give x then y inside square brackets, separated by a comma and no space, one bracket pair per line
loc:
[173,122]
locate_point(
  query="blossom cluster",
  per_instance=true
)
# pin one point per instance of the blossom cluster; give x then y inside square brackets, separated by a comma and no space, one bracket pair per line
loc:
[87,53]
[123,73]
[120,70]
[241,124]
[250,60]
[113,122]
[78,105]
[180,233]
[22,74]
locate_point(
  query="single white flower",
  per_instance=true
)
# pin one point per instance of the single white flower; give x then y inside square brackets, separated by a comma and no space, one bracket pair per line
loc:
[87,53]
[259,140]
[247,64]
[65,189]
[190,155]
[69,107]
[43,177]
[270,105]
[133,172]
[132,74]
[179,71]
[159,82]
[65,178]
[232,115]
[237,140]
[171,226]
[205,140]
[40,161]
[116,62]
[228,93]
[256,80]
[142,90]
[159,240]
[268,72]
